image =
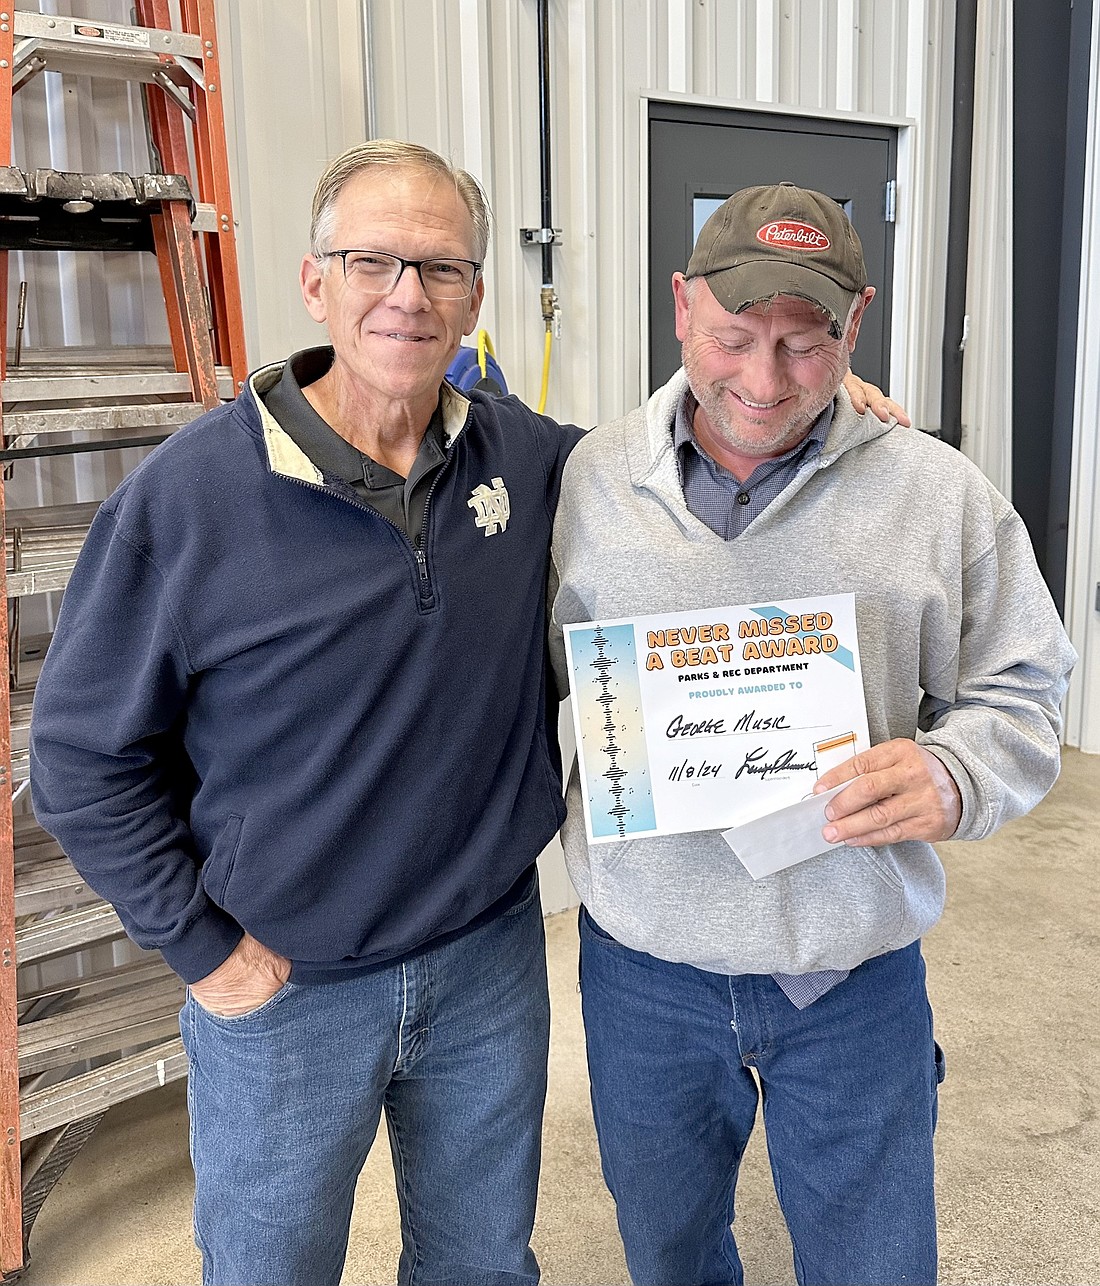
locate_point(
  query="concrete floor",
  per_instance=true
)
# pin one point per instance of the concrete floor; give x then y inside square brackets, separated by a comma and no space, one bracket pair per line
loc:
[1013,975]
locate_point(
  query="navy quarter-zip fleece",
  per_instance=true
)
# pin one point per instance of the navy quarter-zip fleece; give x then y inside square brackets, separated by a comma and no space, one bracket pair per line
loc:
[263,709]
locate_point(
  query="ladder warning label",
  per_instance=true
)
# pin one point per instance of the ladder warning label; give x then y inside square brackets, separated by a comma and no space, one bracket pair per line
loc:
[113,35]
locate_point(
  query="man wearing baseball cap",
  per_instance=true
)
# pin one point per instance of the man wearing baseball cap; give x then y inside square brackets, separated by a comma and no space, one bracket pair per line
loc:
[749,478]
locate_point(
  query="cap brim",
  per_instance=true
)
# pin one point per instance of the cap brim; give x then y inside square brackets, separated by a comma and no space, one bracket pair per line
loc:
[751,283]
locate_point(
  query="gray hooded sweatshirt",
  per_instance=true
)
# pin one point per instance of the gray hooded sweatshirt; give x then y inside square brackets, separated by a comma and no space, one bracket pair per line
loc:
[961,648]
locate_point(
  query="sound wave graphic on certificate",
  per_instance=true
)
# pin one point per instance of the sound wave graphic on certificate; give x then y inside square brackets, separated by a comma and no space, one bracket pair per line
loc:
[608,698]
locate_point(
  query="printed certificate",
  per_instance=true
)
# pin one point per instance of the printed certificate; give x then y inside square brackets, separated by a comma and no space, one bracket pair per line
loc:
[692,721]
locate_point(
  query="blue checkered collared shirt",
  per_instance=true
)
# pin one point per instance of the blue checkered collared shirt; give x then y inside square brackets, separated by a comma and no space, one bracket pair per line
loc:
[715,496]
[727,506]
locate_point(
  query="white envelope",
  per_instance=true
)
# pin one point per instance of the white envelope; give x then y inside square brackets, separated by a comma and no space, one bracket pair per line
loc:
[790,835]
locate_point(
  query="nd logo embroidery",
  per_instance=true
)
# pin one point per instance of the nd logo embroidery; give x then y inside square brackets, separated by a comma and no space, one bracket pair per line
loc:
[491,506]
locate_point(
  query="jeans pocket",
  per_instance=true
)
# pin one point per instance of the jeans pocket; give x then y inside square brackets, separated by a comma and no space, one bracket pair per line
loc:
[233,1020]
[939,1071]
[590,925]
[529,894]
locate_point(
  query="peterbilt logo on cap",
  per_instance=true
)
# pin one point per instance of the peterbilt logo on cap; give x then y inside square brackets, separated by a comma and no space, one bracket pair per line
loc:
[790,234]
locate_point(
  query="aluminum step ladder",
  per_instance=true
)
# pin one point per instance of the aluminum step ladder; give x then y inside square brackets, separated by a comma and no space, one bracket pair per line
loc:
[71,1048]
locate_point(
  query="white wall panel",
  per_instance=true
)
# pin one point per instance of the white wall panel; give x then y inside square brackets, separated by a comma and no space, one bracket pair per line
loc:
[926,71]
[884,53]
[879,58]
[724,51]
[1083,562]
[987,368]
[807,45]
[296,96]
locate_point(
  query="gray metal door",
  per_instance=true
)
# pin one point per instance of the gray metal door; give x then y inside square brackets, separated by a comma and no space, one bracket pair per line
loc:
[699,155]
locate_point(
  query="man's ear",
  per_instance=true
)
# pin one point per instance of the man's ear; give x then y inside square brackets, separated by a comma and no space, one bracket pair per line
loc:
[681,295]
[476,296]
[311,279]
[857,317]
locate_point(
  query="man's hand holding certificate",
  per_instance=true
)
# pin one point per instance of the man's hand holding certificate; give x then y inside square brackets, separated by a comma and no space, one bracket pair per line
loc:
[899,791]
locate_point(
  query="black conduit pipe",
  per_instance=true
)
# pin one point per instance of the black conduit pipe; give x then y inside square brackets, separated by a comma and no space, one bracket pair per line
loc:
[544,139]
[958,221]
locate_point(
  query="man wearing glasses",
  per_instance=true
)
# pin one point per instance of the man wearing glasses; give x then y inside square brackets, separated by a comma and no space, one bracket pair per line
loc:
[293,725]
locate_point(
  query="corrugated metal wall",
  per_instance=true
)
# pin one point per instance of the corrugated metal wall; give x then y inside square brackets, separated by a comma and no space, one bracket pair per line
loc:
[295,97]
[461,76]
[987,368]
[1083,565]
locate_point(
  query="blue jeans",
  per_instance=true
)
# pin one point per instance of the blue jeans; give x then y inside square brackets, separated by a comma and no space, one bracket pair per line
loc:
[285,1102]
[849,1094]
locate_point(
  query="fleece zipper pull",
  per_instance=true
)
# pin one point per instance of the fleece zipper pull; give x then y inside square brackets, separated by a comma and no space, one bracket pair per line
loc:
[426,593]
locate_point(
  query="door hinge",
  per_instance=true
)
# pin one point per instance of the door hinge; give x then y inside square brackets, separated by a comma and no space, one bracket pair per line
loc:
[890,202]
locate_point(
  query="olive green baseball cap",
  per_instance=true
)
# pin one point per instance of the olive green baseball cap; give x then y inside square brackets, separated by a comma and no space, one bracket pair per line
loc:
[780,239]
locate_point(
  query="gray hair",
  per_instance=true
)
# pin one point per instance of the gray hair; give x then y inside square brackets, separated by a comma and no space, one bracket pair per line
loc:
[379,152]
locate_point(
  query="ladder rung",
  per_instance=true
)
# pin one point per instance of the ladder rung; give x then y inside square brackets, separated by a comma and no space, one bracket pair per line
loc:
[58,933]
[79,514]
[48,581]
[145,1013]
[49,541]
[85,1095]
[75,1044]
[76,30]
[78,388]
[93,985]
[100,419]
[47,209]
[43,548]
[74,359]
[50,885]
[41,187]
[72,376]
[32,843]
[45,879]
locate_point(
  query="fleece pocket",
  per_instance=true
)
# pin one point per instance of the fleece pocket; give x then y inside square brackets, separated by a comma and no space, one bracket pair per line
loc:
[218,867]
[884,867]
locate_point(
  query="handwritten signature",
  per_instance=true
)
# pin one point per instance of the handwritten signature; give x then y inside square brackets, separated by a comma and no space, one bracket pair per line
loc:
[757,764]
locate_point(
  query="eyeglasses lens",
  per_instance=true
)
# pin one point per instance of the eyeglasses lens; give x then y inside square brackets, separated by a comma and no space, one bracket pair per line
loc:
[370,273]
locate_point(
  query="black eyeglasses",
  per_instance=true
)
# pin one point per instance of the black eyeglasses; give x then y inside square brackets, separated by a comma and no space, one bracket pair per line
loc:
[372,272]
